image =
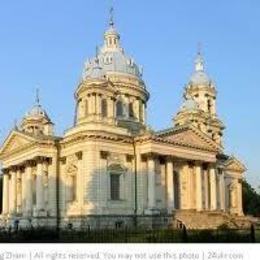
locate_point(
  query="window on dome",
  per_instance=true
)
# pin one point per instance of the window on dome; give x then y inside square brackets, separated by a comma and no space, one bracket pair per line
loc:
[104,107]
[131,110]
[119,108]
[209,106]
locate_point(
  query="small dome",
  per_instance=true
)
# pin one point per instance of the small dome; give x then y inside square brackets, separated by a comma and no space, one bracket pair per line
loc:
[199,76]
[37,111]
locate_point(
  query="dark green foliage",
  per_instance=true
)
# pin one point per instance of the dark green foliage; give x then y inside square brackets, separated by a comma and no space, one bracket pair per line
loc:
[42,235]
[1,191]
[251,200]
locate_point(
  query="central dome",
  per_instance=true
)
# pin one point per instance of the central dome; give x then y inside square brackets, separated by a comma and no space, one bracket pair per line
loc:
[111,57]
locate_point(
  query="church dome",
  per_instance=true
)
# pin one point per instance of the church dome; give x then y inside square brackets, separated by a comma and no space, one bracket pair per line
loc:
[37,111]
[111,57]
[200,78]
[95,71]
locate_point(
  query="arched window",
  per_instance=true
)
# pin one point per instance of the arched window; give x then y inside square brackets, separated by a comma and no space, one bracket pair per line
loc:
[116,173]
[86,107]
[209,106]
[104,107]
[131,110]
[115,186]
[119,108]
[71,189]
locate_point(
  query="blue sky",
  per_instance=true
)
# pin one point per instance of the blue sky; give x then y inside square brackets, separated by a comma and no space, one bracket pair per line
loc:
[46,42]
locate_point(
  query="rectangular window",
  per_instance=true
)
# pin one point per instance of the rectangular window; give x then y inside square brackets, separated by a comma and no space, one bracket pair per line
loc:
[115,186]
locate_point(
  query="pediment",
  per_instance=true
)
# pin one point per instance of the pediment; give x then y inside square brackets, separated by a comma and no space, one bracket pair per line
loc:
[190,137]
[234,165]
[16,141]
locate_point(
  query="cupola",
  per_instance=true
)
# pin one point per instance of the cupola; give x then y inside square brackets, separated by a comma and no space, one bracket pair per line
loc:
[37,121]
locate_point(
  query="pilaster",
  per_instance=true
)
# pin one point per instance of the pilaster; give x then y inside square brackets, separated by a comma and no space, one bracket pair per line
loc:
[5,195]
[170,185]
[213,189]
[198,173]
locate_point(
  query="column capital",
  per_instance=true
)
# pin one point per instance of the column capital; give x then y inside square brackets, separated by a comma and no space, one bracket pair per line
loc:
[30,163]
[14,168]
[5,171]
[169,158]
[40,159]
[150,156]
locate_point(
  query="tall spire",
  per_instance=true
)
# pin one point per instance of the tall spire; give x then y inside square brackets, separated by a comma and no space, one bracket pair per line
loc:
[111,16]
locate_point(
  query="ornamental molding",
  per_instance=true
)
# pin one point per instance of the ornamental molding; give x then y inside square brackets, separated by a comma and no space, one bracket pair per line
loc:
[94,135]
[234,165]
[185,136]
[18,143]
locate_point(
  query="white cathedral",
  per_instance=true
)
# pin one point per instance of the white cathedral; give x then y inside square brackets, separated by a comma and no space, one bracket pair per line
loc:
[110,169]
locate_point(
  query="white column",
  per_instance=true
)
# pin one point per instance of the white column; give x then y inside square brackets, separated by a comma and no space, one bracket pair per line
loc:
[45,182]
[10,192]
[5,194]
[206,189]
[29,191]
[110,107]
[19,191]
[13,192]
[213,189]
[39,186]
[93,103]
[52,186]
[222,190]
[137,109]
[239,199]
[144,113]
[23,177]
[151,183]
[198,173]
[170,186]
[98,104]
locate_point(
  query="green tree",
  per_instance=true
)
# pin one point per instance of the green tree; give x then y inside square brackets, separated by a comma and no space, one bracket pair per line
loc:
[251,200]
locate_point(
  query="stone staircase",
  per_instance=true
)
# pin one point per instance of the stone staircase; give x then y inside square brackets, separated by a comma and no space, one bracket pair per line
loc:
[208,220]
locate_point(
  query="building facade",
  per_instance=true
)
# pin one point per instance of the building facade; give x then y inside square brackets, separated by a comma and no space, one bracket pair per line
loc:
[109,167]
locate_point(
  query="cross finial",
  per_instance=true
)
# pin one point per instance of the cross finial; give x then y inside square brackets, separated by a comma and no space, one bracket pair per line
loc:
[199,48]
[37,96]
[111,16]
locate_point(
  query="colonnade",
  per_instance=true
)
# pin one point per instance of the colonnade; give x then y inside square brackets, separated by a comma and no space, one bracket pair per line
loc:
[26,188]
[92,105]
[203,185]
